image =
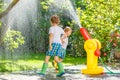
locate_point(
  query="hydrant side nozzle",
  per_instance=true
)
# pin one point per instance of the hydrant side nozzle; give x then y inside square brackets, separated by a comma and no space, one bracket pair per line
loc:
[97,53]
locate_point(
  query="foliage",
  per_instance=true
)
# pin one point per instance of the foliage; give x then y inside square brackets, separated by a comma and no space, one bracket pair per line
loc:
[100,17]
[13,39]
[115,40]
[1,5]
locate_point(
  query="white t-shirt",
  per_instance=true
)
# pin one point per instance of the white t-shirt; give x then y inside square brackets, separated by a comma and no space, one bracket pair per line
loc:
[65,43]
[57,32]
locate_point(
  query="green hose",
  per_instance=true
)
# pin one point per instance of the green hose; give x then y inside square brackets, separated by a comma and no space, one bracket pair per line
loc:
[110,72]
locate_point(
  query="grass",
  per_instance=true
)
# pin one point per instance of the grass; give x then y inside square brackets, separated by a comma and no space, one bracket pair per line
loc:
[34,61]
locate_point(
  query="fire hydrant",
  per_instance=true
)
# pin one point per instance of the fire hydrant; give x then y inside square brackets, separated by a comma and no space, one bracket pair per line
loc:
[92,47]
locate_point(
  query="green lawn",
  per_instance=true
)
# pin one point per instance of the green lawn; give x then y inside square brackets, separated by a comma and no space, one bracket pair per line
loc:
[34,61]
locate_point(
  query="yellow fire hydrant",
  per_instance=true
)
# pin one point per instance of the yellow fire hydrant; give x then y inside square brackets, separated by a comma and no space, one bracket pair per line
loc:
[92,61]
[92,47]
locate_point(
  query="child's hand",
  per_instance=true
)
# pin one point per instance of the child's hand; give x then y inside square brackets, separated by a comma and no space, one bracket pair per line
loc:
[62,41]
[50,48]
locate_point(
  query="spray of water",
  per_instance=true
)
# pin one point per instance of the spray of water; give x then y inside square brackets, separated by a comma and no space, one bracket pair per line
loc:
[22,18]
[66,4]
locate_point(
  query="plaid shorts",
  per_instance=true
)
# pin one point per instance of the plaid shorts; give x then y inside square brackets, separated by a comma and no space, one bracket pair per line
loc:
[63,53]
[56,50]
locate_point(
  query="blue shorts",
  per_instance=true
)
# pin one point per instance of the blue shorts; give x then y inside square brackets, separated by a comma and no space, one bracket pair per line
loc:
[56,50]
[63,53]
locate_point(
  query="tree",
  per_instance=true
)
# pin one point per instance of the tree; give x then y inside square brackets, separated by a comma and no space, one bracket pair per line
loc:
[13,3]
[4,13]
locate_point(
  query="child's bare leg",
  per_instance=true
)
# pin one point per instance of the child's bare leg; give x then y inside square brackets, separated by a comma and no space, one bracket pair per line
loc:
[56,58]
[61,60]
[47,58]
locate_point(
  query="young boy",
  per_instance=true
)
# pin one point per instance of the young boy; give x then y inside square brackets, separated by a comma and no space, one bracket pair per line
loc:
[55,44]
[67,31]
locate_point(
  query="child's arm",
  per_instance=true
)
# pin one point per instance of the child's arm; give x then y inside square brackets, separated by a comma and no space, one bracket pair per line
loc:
[50,41]
[63,37]
[62,40]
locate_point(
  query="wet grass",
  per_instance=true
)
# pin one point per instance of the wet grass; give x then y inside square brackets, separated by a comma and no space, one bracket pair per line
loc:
[34,61]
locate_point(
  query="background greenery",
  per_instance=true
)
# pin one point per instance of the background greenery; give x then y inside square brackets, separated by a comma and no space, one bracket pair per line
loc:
[99,17]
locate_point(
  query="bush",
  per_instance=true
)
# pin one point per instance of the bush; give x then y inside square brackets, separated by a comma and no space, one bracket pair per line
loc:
[13,39]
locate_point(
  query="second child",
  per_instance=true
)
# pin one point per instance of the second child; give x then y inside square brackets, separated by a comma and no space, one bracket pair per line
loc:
[64,40]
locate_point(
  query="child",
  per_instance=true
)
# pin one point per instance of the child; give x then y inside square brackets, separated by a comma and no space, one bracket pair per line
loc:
[55,44]
[67,31]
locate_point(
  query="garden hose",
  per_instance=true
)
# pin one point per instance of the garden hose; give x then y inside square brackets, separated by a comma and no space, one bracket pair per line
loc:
[110,72]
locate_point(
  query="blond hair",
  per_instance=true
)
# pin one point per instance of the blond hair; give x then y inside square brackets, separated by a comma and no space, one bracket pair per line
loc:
[66,29]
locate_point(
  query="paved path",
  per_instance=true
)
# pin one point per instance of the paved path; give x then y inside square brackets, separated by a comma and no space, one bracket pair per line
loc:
[72,73]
